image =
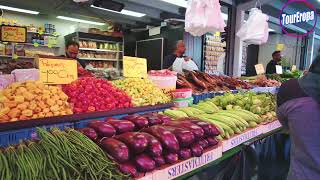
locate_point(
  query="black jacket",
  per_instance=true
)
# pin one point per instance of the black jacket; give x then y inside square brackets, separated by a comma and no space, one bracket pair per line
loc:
[271,67]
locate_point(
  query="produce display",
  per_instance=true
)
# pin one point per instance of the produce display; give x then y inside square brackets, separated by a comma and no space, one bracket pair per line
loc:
[287,75]
[142,91]
[262,81]
[6,67]
[107,73]
[231,113]
[58,155]
[201,82]
[140,143]
[90,94]
[31,100]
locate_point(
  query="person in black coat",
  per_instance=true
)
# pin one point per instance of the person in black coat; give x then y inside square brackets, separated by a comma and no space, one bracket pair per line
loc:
[276,60]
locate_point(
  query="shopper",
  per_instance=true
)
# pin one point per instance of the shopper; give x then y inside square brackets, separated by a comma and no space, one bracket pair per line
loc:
[72,51]
[299,111]
[177,61]
[276,60]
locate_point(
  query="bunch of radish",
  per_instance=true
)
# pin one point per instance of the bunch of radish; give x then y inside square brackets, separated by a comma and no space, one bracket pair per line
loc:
[140,143]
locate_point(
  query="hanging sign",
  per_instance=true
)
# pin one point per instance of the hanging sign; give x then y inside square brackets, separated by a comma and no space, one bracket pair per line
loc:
[134,67]
[13,34]
[279,69]
[293,68]
[259,69]
[280,47]
[57,71]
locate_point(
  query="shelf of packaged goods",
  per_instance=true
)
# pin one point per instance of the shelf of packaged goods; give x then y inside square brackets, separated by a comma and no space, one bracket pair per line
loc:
[45,34]
[78,118]
[22,57]
[98,50]
[39,45]
[98,59]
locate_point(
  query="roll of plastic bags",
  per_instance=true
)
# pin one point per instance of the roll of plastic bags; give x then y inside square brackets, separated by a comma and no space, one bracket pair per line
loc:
[256,29]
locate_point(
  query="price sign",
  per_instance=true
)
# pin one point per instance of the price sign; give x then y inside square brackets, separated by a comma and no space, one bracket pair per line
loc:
[57,71]
[13,34]
[259,69]
[293,68]
[280,47]
[279,69]
[134,67]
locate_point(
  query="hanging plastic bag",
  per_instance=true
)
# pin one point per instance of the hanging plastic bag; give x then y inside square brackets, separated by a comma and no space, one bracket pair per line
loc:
[180,64]
[203,16]
[256,29]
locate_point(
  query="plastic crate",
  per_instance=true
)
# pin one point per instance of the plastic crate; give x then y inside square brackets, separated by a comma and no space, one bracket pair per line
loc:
[13,137]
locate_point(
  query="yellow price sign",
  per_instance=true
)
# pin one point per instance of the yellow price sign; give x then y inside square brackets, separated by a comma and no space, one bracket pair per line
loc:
[13,34]
[280,47]
[293,68]
[57,71]
[217,34]
[134,67]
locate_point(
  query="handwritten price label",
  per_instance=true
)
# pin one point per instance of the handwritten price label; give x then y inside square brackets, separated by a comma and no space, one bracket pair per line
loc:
[13,34]
[259,69]
[134,67]
[57,71]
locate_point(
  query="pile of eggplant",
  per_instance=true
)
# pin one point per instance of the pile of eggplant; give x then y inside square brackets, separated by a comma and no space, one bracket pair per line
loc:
[201,82]
[141,143]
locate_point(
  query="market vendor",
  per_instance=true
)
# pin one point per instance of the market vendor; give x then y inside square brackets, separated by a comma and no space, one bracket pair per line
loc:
[276,60]
[72,51]
[298,111]
[177,61]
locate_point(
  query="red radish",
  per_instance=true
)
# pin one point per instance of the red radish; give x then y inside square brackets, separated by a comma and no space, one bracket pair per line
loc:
[144,163]
[197,150]
[128,168]
[212,141]
[139,121]
[154,145]
[185,153]
[137,142]
[116,149]
[171,158]
[203,143]
[159,161]
[89,132]
[167,139]
[121,126]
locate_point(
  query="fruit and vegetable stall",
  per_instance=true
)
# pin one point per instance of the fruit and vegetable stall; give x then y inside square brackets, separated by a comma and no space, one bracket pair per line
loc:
[128,128]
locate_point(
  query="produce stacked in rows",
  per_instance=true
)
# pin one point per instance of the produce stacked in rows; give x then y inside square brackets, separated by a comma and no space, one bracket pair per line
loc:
[262,81]
[31,100]
[285,76]
[201,82]
[260,104]
[58,155]
[90,94]
[142,143]
[142,91]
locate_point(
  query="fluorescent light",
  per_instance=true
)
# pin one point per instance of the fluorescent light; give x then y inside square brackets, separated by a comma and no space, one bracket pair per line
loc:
[181,3]
[18,10]
[80,20]
[123,11]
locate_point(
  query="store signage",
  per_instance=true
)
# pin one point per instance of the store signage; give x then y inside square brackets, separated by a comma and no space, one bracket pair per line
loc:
[279,69]
[299,17]
[293,68]
[280,47]
[134,67]
[259,69]
[13,34]
[57,71]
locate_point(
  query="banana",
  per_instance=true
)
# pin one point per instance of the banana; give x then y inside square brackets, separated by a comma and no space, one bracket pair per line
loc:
[237,130]
[196,111]
[254,116]
[204,108]
[228,119]
[253,124]
[227,135]
[245,115]
[228,123]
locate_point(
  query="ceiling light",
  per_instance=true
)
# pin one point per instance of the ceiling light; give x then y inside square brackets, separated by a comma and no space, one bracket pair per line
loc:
[80,20]
[181,3]
[123,11]
[18,10]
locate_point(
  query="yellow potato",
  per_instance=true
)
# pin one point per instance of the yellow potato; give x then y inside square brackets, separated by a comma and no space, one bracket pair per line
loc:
[23,106]
[19,99]
[41,115]
[14,113]
[46,110]
[51,102]
[27,113]
[54,108]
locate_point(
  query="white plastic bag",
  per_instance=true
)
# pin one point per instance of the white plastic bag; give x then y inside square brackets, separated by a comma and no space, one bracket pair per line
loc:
[256,29]
[179,64]
[203,16]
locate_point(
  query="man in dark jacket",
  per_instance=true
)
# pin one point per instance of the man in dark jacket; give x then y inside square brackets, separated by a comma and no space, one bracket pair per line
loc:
[299,111]
[276,60]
